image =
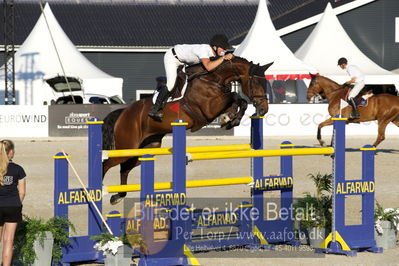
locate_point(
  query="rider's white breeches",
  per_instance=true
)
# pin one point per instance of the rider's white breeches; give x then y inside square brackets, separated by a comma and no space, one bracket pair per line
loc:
[171,64]
[356,89]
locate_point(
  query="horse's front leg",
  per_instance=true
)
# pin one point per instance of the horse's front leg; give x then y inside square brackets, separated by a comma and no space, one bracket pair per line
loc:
[328,122]
[235,113]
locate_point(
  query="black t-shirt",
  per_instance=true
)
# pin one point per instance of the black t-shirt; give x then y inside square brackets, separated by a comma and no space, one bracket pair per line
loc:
[9,196]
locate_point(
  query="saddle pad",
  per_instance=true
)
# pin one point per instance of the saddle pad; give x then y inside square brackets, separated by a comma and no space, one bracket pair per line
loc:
[364,100]
[170,99]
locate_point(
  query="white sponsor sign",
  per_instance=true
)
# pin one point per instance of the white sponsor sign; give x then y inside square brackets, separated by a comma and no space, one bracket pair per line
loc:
[23,121]
[303,120]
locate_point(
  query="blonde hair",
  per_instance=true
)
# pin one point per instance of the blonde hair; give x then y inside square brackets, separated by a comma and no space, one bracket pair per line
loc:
[5,147]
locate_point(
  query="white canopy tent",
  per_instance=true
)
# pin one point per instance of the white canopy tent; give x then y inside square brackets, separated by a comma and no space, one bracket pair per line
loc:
[263,45]
[37,58]
[322,49]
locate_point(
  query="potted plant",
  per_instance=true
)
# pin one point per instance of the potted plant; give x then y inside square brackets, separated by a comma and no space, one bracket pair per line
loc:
[39,242]
[315,211]
[386,226]
[117,250]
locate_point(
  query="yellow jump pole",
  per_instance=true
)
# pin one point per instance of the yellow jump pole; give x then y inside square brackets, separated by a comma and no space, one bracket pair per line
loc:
[190,184]
[168,151]
[260,153]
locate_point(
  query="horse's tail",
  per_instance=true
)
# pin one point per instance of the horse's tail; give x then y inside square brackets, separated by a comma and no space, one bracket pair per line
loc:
[108,129]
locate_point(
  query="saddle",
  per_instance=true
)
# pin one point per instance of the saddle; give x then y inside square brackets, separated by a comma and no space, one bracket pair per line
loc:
[186,74]
[361,99]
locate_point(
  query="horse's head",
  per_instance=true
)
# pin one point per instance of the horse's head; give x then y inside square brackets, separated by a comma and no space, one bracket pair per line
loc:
[252,79]
[315,89]
[320,87]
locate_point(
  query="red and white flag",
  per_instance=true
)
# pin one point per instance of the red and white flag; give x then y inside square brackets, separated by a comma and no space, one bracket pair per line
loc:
[176,108]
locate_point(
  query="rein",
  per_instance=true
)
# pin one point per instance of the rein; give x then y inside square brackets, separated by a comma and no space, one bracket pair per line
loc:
[225,88]
[331,94]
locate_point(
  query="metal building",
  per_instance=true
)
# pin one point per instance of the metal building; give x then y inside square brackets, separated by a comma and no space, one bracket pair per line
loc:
[127,38]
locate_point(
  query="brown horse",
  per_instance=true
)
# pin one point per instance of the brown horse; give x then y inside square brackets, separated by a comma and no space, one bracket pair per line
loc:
[382,107]
[206,97]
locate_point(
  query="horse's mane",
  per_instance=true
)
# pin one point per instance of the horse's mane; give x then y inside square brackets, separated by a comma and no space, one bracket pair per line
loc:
[330,80]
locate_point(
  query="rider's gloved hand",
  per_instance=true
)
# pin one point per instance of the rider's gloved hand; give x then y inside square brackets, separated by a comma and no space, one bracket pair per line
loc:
[228,56]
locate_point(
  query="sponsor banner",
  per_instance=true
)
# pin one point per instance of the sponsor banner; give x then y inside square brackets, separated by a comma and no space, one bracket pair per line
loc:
[303,120]
[70,120]
[23,121]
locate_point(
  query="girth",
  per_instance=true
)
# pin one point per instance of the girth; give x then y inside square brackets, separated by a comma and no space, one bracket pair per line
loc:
[199,118]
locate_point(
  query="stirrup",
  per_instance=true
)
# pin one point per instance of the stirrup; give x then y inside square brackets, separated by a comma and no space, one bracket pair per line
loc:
[354,115]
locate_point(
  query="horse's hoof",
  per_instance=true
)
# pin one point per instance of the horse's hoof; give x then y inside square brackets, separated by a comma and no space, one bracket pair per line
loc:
[322,143]
[115,199]
[235,122]
[228,126]
[224,118]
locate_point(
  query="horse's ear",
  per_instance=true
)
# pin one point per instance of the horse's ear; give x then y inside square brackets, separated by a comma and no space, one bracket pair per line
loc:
[260,70]
[266,67]
[312,76]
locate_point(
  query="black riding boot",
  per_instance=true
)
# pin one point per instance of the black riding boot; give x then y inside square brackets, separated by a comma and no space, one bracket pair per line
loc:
[162,97]
[355,112]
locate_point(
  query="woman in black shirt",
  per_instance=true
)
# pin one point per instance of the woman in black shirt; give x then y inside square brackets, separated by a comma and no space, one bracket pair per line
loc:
[12,193]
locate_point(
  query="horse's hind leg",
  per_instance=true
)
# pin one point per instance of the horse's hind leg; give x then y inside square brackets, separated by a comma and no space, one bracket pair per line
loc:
[382,124]
[150,142]
[111,162]
[126,167]
[396,121]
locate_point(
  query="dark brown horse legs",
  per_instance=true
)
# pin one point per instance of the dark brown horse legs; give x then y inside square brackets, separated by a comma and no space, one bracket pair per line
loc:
[236,112]
[126,167]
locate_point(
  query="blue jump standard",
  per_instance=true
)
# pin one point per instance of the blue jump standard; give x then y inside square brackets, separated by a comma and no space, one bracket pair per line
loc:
[348,239]
[179,250]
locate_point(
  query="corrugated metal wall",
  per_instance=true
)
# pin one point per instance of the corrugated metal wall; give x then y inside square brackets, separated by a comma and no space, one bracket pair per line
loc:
[372,28]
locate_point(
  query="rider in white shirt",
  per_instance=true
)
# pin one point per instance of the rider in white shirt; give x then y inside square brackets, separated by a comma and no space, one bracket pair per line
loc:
[189,54]
[357,77]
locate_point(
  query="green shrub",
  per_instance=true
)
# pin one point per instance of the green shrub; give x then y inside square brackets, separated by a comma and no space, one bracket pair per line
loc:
[32,228]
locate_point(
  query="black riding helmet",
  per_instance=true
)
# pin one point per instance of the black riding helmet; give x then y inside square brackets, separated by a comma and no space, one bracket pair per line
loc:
[220,40]
[342,60]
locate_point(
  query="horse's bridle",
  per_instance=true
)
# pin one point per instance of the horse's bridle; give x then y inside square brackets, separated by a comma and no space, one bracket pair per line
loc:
[250,82]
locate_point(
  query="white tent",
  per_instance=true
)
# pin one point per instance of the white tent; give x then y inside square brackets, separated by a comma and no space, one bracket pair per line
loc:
[37,58]
[328,42]
[263,45]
